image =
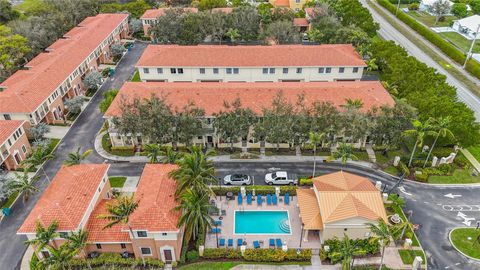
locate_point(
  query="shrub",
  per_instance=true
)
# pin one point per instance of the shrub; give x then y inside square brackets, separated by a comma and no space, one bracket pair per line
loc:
[122,150]
[264,255]
[322,254]
[413,6]
[306,182]
[92,80]
[214,253]
[192,256]
[233,254]
[461,161]
[370,247]
[305,255]
[421,177]
[114,260]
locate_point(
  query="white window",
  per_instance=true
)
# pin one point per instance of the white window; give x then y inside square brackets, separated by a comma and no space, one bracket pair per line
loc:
[160,70]
[272,70]
[7,117]
[285,70]
[146,251]
[321,70]
[236,70]
[341,70]
[355,70]
[202,71]
[180,70]
[229,70]
[265,70]
[146,70]
[328,70]
[24,149]
[215,70]
[299,70]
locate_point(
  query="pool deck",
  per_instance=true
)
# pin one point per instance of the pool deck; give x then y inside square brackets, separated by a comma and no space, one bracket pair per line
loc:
[227,228]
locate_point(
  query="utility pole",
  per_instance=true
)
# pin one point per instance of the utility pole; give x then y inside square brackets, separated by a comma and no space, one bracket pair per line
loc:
[471,47]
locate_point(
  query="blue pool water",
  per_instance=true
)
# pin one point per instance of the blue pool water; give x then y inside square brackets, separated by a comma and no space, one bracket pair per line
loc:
[262,222]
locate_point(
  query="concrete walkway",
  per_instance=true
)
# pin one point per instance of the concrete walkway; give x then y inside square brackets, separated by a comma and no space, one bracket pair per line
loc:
[57,132]
[371,153]
[471,158]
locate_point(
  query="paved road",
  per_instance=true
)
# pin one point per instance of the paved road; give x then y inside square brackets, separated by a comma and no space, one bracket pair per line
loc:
[387,31]
[80,134]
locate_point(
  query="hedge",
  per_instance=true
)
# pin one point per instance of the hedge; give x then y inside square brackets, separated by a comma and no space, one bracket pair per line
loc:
[258,255]
[472,66]
[367,245]
[305,182]
[115,260]
[264,190]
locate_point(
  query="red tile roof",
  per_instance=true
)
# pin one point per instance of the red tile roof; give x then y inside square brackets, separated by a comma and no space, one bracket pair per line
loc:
[27,89]
[7,127]
[251,56]
[96,231]
[67,198]
[256,96]
[300,22]
[155,192]
[155,13]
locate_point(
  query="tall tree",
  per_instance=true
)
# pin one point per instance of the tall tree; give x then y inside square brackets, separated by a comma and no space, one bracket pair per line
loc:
[234,122]
[439,8]
[119,212]
[39,155]
[7,13]
[195,216]
[315,139]
[170,156]
[215,25]
[153,151]
[77,157]
[278,121]
[155,120]
[59,257]
[381,233]
[344,152]
[186,124]
[78,241]
[38,131]
[43,236]
[129,123]
[282,32]
[346,252]
[247,21]
[13,48]
[22,184]
[168,26]
[418,133]
[440,126]
[195,172]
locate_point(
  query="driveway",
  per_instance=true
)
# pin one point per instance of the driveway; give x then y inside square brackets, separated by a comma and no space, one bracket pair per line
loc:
[80,134]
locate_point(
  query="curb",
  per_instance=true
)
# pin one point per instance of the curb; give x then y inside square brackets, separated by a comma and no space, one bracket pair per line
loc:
[450,239]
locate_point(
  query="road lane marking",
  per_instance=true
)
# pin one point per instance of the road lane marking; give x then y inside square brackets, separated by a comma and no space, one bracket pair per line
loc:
[402,189]
[452,196]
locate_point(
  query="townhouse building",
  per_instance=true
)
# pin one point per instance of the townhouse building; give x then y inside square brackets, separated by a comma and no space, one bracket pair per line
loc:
[14,145]
[295,5]
[281,63]
[211,97]
[79,194]
[37,92]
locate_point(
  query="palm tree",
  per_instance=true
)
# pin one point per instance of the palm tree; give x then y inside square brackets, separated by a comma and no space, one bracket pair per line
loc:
[59,257]
[195,217]
[120,211]
[441,125]
[77,157]
[419,132]
[346,252]
[195,172]
[344,152]
[170,156]
[315,139]
[153,151]
[40,155]
[23,185]
[78,241]
[43,236]
[381,233]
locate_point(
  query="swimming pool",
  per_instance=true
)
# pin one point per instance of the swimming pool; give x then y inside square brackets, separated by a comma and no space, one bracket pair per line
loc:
[262,222]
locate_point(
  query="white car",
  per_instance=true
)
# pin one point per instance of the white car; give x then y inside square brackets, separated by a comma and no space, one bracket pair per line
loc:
[280,178]
[237,180]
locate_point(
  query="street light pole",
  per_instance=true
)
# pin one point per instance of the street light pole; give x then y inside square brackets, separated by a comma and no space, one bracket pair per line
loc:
[398,7]
[471,47]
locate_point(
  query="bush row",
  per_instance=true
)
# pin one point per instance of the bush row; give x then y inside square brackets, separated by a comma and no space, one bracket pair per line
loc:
[368,246]
[258,255]
[114,260]
[264,190]
[472,66]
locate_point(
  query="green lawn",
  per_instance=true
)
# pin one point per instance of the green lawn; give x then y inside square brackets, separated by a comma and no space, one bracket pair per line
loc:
[429,20]
[475,151]
[465,239]
[459,41]
[391,170]
[400,212]
[28,6]
[383,160]
[117,181]
[361,155]
[209,265]
[408,255]
[459,176]
[136,77]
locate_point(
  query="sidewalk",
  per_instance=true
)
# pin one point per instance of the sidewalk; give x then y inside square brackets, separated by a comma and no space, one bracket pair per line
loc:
[222,158]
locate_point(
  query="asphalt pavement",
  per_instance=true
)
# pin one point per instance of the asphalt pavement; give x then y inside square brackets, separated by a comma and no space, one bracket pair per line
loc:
[387,31]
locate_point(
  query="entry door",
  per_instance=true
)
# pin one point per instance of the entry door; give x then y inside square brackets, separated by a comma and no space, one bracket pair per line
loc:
[167,253]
